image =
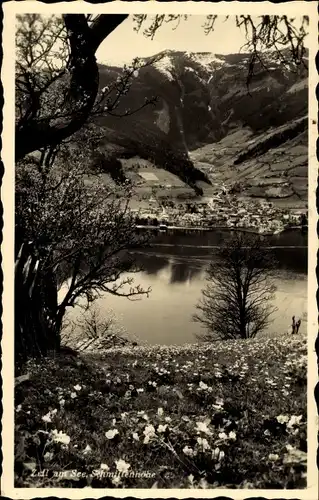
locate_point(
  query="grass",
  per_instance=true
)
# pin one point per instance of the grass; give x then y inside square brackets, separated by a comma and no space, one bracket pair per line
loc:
[231,414]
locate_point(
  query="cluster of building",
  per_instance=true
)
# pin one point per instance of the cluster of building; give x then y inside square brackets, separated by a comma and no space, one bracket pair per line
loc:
[222,210]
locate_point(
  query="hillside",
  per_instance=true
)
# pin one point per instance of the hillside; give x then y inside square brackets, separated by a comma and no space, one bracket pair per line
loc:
[175,412]
[203,100]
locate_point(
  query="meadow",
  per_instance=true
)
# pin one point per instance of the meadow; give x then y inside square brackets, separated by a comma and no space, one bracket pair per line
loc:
[224,415]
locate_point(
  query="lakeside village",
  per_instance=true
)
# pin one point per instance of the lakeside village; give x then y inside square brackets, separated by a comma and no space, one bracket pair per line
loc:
[221,211]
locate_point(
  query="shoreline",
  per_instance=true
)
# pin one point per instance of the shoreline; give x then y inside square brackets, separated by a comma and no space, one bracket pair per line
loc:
[221,228]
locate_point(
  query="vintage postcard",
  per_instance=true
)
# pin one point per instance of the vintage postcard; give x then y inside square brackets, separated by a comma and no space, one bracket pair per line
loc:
[159,250]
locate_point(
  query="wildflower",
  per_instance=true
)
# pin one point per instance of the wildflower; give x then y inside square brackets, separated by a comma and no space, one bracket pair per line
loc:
[104,467]
[87,449]
[294,456]
[222,435]
[135,436]
[160,412]
[202,385]
[168,419]
[294,420]
[62,402]
[111,433]
[282,419]
[116,480]
[122,466]
[73,395]
[114,421]
[232,435]
[18,408]
[202,427]
[203,443]
[203,484]
[48,456]
[77,387]
[47,417]
[218,404]
[161,428]
[140,389]
[149,433]
[273,457]
[60,437]
[191,479]
[188,451]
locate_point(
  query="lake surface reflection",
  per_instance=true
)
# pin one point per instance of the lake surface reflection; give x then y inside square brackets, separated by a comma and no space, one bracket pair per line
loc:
[174,267]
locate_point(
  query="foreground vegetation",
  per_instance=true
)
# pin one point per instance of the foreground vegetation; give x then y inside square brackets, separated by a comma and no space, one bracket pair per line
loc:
[228,414]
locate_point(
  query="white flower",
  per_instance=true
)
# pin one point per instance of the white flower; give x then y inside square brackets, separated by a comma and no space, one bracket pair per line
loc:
[161,428]
[48,456]
[111,433]
[232,435]
[73,395]
[135,436]
[122,466]
[282,419]
[149,433]
[203,443]
[202,427]
[47,417]
[160,412]
[149,430]
[188,451]
[273,457]
[87,449]
[202,385]
[116,480]
[191,479]
[18,408]
[140,389]
[62,402]
[222,435]
[294,420]
[60,437]
[77,387]
[104,467]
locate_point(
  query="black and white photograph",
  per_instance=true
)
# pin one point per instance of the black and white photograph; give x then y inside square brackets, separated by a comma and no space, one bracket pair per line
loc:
[161,327]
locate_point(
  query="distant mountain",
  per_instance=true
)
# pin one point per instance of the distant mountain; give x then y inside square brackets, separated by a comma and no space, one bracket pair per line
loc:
[202,98]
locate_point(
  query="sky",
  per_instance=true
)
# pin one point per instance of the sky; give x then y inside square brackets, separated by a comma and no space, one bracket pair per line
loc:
[124,44]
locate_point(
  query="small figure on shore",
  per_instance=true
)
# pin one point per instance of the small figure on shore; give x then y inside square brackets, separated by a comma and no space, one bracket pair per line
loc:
[295,325]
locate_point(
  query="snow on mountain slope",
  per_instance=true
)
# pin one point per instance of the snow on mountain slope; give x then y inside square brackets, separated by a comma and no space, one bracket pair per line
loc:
[202,99]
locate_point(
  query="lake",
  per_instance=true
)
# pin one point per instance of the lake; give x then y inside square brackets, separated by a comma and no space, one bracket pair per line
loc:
[174,267]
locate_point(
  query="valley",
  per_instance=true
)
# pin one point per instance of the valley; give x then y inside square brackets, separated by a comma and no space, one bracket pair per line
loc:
[208,133]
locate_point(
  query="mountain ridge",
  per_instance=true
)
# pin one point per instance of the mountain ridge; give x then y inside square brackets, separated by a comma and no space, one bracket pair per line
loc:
[203,99]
